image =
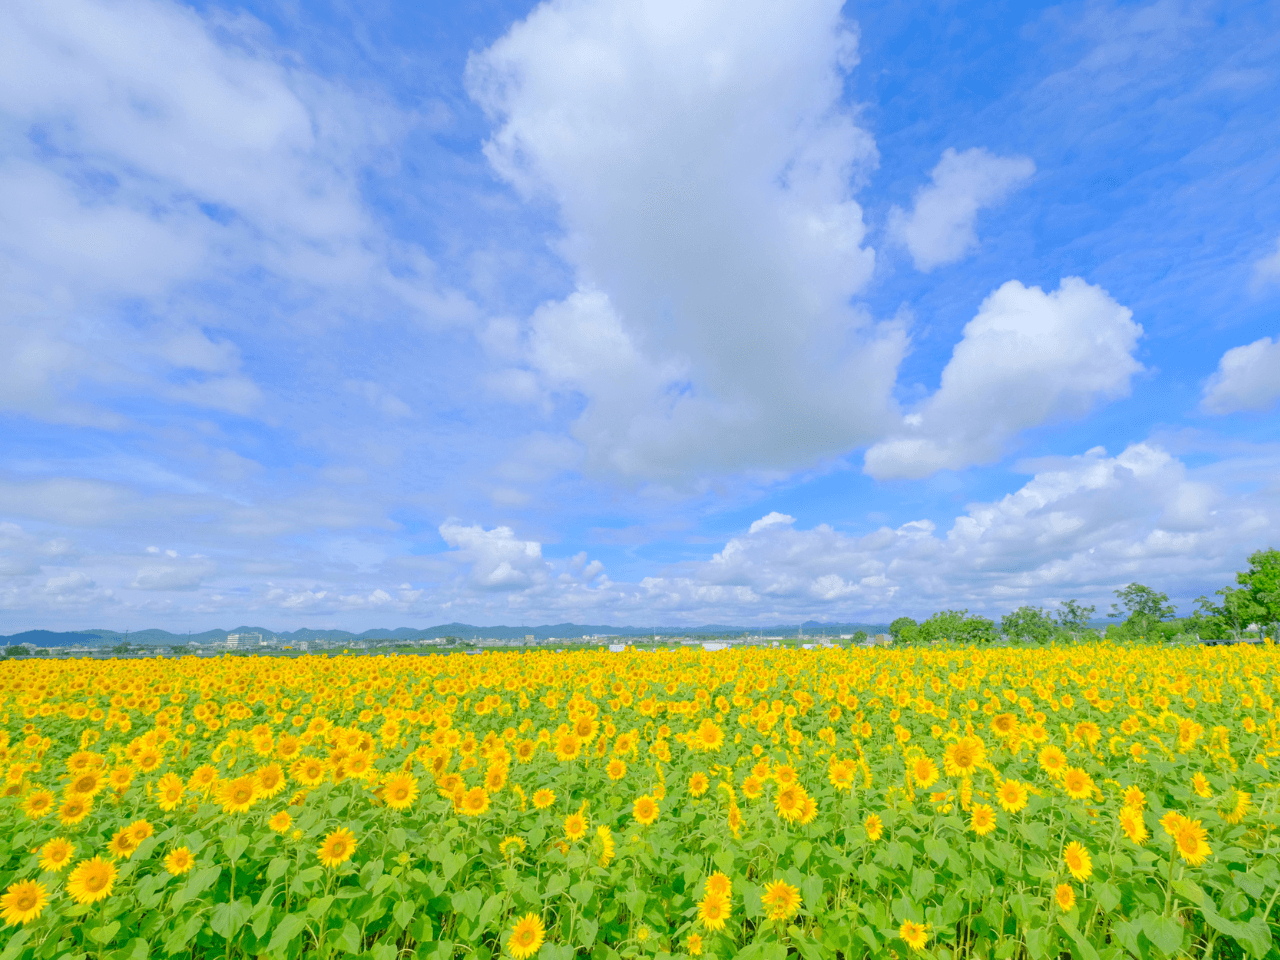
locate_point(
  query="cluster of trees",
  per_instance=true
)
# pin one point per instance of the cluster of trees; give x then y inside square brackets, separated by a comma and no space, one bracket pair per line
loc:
[1140,613]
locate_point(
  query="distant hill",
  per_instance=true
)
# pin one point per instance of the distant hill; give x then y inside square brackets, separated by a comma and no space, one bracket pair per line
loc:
[463,631]
[47,638]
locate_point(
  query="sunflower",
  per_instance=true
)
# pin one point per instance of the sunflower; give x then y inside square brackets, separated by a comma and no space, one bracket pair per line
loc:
[693,945]
[238,795]
[1200,784]
[645,810]
[567,747]
[23,902]
[1004,724]
[982,819]
[308,771]
[337,847]
[784,775]
[543,798]
[575,826]
[874,827]
[149,759]
[808,810]
[720,884]
[120,778]
[401,791]
[56,854]
[781,899]
[74,810]
[38,804]
[140,830]
[495,777]
[86,784]
[752,787]
[1190,841]
[525,749]
[179,862]
[1077,783]
[789,802]
[1172,822]
[1132,824]
[91,880]
[713,911]
[698,783]
[915,935]
[1133,797]
[280,822]
[840,775]
[607,848]
[1052,760]
[270,780]
[474,802]
[527,936]
[169,792]
[1012,796]
[203,778]
[1237,813]
[1065,896]
[925,772]
[708,736]
[514,843]
[1078,861]
[122,845]
[963,757]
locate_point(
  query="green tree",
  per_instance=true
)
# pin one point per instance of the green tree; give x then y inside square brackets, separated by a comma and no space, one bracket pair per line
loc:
[959,626]
[1142,609]
[860,636]
[1218,621]
[1074,617]
[1262,580]
[904,630]
[1029,624]
[15,651]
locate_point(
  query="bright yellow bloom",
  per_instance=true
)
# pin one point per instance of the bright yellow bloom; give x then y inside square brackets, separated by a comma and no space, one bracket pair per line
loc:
[645,810]
[915,935]
[23,902]
[1077,784]
[963,757]
[698,783]
[475,802]
[713,911]
[1065,896]
[337,847]
[1012,796]
[874,827]
[56,854]
[543,798]
[1078,861]
[781,899]
[1190,841]
[575,826]
[527,936]
[982,819]
[39,803]
[401,791]
[91,880]
[180,861]
[280,821]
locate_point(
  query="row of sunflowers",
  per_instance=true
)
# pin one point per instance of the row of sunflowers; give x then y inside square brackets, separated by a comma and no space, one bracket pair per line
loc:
[1095,801]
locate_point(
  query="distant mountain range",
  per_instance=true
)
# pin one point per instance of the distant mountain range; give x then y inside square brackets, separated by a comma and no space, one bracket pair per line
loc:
[463,631]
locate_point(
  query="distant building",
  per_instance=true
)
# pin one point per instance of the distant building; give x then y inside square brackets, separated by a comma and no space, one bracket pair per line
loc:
[528,638]
[244,639]
[714,646]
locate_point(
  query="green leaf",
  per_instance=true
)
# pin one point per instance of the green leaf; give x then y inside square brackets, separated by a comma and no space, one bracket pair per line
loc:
[1164,932]
[587,930]
[349,938]
[1084,949]
[921,884]
[15,944]
[320,905]
[492,907]
[800,851]
[102,935]
[467,902]
[286,930]
[1189,890]
[403,912]
[1040,940]
[1257,936]
[936,849]
[262,915]
[1107,894]
[181,936]
[277,867]
[383,951]
[236,846]
[227,918]
[451,863]
[397,837]
[582,891]
[811,891]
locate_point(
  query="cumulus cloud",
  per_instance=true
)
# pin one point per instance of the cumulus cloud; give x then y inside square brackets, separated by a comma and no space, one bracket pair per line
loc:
[704,170]
[496,559]
[1247,378]
[1267,270]
[149,154]
[1027,358]
[941,227]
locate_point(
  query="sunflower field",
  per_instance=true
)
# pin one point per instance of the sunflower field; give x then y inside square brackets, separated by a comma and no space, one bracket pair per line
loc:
[1092,801]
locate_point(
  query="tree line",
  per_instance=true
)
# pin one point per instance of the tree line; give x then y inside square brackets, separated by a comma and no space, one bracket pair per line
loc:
[1140,612]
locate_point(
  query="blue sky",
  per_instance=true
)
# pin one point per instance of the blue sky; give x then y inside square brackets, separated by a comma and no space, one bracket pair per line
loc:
[396,314]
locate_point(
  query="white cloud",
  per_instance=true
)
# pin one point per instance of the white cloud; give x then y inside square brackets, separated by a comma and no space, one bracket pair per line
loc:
[378,397]
[1267,270]
[150,154]
[1247,378]
[496,559]
[1027,358]
[941,227]
[188,575]
[704,170]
